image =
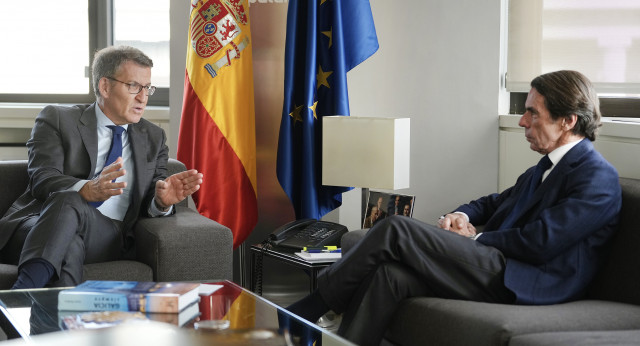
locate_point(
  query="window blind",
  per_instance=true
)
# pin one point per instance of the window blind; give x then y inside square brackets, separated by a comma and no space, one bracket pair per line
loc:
[598,38]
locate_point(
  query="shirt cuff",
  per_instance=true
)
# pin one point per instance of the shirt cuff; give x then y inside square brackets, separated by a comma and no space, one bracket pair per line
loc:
[77,186]
[463,214]
[154,211]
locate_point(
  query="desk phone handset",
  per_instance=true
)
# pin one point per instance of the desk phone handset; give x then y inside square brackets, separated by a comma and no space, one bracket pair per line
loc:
[308,232]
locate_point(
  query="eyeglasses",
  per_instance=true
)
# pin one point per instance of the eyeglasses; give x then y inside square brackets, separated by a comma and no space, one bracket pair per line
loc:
[135,88]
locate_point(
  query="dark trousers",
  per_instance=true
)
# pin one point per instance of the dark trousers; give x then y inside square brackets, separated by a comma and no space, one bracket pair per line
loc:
[68,233]
[399,258]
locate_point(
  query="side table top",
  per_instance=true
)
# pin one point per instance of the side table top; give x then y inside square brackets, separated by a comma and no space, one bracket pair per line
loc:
[288,255]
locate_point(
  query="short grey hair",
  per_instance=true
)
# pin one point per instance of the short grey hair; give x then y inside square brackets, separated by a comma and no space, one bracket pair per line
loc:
[107,61]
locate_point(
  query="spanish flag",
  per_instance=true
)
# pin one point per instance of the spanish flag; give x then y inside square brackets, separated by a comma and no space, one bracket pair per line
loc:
[217,129]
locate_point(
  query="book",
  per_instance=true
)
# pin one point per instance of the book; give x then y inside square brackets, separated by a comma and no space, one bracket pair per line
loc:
[98,319]
[165,297]
[208,289]
[188,314]
[319,256]
[102,319]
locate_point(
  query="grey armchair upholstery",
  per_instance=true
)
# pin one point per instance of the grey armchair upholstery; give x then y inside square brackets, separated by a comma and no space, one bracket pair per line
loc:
[184,247]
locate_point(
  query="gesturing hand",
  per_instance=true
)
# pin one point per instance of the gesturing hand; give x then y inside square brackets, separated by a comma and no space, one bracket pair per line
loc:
[177,187]
[102,187]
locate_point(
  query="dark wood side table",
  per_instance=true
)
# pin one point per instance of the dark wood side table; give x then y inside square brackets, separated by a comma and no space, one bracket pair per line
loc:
[284,255]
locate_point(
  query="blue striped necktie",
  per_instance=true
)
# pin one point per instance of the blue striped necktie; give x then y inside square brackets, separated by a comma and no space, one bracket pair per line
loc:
[115,151]
[544,164]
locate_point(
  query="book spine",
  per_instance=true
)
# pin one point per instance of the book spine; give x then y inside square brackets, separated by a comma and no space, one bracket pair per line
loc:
[75,301]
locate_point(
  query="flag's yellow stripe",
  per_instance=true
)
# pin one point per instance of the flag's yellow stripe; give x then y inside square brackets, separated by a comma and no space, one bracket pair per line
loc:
[228,97]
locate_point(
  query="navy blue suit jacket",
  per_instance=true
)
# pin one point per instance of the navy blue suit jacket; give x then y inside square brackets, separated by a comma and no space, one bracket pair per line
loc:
[559,240]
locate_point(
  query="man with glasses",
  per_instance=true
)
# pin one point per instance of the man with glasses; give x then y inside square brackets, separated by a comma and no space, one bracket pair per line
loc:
[93,169]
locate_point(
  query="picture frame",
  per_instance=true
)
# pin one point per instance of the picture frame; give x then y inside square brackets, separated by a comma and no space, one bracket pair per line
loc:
[384,204]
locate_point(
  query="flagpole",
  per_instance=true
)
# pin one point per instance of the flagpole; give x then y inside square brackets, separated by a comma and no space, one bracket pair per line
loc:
[241,260]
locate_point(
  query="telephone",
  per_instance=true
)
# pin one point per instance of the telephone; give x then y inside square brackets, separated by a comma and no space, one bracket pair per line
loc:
[308,232]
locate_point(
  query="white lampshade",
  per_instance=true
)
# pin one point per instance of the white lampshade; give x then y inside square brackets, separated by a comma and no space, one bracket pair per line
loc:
[366,152]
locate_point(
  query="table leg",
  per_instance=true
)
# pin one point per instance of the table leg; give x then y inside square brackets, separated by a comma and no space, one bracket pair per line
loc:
[252,272]
[313,283]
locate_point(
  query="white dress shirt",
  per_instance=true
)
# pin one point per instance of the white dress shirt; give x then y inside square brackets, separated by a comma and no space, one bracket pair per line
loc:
[116,207]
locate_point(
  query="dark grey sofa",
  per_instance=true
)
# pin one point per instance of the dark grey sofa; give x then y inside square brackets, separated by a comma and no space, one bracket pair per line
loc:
[183,247]
[610,315]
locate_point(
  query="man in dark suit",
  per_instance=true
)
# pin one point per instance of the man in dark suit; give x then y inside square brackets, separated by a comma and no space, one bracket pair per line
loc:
[395,207]
[542,247]
[80,206]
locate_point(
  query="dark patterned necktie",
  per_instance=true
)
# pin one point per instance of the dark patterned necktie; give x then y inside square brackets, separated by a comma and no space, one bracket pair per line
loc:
[544,164]
[115,151]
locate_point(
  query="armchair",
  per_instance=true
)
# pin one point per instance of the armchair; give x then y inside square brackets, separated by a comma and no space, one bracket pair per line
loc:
[608,315]
[184,247]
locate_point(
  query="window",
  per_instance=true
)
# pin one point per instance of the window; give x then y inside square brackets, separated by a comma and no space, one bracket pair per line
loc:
[45,48]
[598,38]
[48,45]
[144,24]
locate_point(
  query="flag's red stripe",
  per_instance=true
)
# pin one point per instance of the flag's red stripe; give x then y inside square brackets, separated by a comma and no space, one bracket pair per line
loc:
[226,194]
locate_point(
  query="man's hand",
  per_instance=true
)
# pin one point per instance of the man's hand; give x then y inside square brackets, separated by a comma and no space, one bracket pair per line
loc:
[457,223]
[177,187]
[102,187]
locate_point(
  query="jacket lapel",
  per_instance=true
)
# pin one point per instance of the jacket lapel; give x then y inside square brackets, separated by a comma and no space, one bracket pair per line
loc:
[138,139]
[562,168]
[88,128]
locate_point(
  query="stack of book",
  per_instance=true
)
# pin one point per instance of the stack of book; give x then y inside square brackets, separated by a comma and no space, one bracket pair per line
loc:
[111,302]
[320,254]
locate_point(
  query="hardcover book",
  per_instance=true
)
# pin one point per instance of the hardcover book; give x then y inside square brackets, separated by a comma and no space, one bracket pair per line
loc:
[164,297]
[320,256]
[102,319]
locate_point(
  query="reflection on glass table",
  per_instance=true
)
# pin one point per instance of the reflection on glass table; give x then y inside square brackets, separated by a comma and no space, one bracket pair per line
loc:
[27,314]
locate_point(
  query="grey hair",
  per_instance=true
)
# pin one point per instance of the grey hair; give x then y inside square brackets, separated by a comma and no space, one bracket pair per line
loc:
[107,61]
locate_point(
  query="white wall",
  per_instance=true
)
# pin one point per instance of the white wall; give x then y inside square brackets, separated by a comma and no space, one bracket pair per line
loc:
[439,64]
[178,56]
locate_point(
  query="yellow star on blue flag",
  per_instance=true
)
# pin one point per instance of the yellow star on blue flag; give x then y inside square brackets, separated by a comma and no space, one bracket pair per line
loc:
[325,39]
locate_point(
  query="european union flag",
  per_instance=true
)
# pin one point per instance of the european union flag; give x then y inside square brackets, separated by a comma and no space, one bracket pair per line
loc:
[325,39]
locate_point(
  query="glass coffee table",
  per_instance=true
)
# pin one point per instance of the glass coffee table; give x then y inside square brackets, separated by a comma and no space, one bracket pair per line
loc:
[28,313]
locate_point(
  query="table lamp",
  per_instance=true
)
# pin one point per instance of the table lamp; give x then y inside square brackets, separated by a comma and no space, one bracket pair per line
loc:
[366,152]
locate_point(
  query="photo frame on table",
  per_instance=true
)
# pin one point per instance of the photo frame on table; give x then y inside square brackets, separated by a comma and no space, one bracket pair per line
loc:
[382,204]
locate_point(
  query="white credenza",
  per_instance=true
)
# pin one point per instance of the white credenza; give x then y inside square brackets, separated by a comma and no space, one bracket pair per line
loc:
[618,141]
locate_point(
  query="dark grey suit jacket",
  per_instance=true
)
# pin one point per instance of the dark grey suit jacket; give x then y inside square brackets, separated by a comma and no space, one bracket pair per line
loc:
[63,149]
